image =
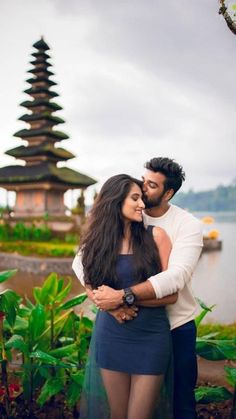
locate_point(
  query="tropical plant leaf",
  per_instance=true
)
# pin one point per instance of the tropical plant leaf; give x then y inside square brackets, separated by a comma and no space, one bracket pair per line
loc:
[4,275]
[215,350]
[204,311]
[21,325]
[64,351]
[52,387]
[37,322]
[49,288]
[37,295]
[46,358]
[212,394]
[63,293]
[231,375]
[9,304]
[29,303]
[74,390]
[17,342]
[74,302]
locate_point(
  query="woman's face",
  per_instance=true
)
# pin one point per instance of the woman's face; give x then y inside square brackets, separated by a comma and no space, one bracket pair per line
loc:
[133,204]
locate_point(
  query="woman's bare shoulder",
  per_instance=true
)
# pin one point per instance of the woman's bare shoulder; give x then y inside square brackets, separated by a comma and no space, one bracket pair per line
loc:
[160,235]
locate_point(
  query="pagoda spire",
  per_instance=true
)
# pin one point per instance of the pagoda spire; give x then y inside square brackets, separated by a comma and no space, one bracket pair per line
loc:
[40,153]
[41,118]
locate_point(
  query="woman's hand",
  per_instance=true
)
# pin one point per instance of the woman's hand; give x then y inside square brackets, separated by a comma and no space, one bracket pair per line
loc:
[124,313]
[106,298]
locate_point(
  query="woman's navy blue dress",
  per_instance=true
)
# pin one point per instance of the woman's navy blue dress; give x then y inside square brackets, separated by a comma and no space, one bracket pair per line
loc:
[138,346]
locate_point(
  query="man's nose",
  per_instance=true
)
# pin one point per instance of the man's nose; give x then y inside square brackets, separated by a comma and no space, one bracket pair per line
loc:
[144,187]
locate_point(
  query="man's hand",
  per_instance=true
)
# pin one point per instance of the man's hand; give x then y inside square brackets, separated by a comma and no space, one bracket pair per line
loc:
[107,298]
[124,313]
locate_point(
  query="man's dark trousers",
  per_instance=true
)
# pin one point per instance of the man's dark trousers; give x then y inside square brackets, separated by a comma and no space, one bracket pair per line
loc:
[185,370]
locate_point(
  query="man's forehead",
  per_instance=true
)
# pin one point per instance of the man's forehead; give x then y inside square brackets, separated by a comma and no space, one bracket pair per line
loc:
[154,176]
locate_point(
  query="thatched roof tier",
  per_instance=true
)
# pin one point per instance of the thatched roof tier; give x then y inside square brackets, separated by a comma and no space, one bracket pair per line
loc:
[24,133]
[41,45]
[41,70]
[41,79]
[41,116]
[41,60]
[40,54]
[41,102]
[44,172]
[46,149]
[37,90]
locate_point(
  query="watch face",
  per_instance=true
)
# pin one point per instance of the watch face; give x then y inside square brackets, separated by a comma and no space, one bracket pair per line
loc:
[129,299]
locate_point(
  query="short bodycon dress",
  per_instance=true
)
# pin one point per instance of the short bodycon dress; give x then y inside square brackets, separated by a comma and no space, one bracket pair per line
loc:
[138,346]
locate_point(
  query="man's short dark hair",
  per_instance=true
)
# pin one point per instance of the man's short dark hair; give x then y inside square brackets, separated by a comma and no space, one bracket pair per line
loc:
[170,169]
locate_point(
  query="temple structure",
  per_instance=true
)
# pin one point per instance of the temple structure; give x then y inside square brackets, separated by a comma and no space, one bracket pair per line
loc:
[40,184]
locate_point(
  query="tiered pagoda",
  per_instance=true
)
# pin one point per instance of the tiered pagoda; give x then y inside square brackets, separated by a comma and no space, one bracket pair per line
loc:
[40,184]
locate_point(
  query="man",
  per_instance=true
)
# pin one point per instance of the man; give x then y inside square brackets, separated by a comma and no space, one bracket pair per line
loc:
[162,179]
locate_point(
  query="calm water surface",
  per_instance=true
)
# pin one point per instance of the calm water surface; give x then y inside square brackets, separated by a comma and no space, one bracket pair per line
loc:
[214,280]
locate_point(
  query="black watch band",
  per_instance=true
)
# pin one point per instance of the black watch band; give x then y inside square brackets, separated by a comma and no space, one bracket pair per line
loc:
[129,297]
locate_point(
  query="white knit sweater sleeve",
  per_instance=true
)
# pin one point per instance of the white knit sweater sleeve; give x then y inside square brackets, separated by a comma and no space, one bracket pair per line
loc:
[78,269]
[183,260]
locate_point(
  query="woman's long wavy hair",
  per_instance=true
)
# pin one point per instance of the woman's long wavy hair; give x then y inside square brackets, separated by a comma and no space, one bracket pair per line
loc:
[104,232]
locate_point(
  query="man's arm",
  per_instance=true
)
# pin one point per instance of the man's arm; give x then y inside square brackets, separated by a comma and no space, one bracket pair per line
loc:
[182,262]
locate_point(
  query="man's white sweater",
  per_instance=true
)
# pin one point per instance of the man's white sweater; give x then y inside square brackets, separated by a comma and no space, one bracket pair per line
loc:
[185,233]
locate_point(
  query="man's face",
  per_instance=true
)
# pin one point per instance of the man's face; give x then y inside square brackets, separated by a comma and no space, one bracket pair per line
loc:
[153,188]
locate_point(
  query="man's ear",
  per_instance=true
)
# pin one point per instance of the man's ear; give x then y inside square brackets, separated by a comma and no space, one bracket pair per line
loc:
[169,194]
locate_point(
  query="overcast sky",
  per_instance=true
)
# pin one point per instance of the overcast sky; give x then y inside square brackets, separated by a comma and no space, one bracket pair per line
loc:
[136,78]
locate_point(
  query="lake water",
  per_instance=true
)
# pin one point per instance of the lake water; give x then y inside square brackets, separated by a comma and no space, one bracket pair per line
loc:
[214,280]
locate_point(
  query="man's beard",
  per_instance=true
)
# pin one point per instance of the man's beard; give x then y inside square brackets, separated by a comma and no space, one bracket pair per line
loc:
[154,202]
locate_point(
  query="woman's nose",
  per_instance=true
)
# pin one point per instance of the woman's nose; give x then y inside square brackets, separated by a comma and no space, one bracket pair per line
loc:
[141,204]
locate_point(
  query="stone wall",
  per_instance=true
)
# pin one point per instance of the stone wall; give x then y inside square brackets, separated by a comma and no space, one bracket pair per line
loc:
[35,265]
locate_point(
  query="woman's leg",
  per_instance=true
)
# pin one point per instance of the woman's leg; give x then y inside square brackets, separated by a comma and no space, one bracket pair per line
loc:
[144,391]
[117,385]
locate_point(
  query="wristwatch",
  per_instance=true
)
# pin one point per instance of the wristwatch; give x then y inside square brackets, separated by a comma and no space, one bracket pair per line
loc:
[129,297]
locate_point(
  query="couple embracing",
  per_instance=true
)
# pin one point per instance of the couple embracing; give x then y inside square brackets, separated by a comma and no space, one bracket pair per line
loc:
[136,261]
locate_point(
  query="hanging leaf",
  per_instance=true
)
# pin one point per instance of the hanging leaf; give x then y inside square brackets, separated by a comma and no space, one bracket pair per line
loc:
[7,274]
[74,301]
[216,350]
[37,322]
[46,358]
[231,375]
[212,394]
[52,387]
[17,342]
[49,288]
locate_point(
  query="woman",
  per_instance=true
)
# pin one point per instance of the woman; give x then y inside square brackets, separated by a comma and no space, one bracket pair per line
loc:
[117,251]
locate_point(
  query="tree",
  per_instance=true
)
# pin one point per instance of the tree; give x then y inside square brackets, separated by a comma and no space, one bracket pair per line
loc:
[228,16]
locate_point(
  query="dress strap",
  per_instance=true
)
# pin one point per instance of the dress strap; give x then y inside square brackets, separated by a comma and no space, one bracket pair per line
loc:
[150,229]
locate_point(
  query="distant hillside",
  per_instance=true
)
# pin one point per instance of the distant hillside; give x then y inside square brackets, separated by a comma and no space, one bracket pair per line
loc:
[223,198]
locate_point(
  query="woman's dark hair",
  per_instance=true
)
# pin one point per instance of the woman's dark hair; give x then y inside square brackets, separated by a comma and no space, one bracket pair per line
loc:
[170,169]
[103,235]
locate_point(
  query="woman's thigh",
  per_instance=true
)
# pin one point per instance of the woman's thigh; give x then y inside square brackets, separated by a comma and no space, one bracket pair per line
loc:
[144,392]
[117,385]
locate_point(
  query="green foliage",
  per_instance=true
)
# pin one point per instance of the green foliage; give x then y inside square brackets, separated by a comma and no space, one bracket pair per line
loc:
[231,375]
[49,337]
[38,249]
[206,395]
[6,275]
[223,198]
[210,347]
[221,331]
[20,231]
